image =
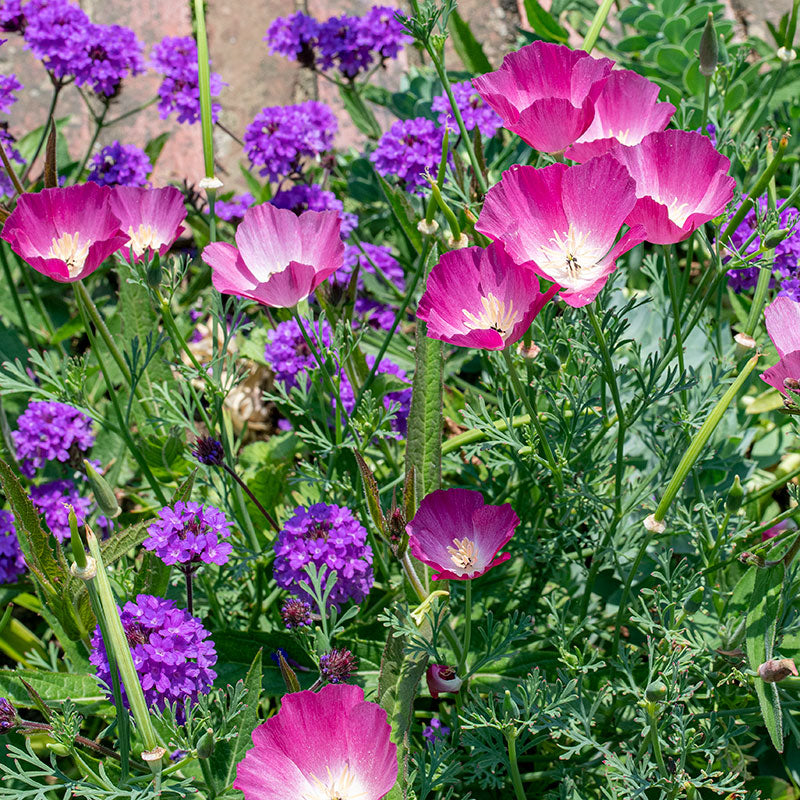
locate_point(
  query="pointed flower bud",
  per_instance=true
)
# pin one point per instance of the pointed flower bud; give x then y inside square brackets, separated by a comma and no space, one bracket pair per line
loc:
[205,747]
[288,674]
[442,678]
[735,497]
[774,238]
[103,493]
[208,451]
[695,601]
[709,48]
[8,716]
[776,669]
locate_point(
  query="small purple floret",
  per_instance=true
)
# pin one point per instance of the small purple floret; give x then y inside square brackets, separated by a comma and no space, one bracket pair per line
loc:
[407,150]
[120,165]
[52,499]
[12,562]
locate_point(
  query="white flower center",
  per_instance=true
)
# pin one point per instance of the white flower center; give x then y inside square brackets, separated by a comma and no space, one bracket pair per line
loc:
[344,786]
[570,258]
[71,250]
[494,316]
[622,136]
[464,554]
[144,237]
[676,211]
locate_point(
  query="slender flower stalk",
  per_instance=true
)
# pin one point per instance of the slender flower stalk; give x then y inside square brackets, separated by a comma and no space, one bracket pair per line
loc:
[462,664]
[670,268]
[516,778]
[590,40]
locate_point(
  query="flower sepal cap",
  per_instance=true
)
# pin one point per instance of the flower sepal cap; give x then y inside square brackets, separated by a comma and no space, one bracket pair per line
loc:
[442,678]
[458,535]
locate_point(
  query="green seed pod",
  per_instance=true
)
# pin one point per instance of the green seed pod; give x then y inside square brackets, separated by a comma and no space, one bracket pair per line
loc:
[551,361]
[735,498]
[774,238]
[510,708]
[103,493]
[655,691]
[154,272]
[709,48]
[562,350]
[205,747]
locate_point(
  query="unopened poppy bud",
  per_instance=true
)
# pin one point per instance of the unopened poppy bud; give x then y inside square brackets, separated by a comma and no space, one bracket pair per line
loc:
[733,502]
[288,675]
[8,716]
[562,350]
[103,493]
[695,601]
[655,691]
[205,747]
[154,273]
[58,748]
[774,238]
[551,361]
[709,48]
[510,708]
[442,678]
[776,669]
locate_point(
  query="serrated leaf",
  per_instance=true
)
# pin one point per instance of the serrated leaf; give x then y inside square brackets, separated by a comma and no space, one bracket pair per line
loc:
[467,46]
[50,686]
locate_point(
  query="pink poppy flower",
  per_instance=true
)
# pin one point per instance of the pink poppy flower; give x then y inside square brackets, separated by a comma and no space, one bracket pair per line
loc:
[456,533]
[545,93]
[681,182]
[66,233]
[783,326]
[561,222]
[480,298]
[151,218]
[281,257]
[625,112]
[442,678]
[333,744]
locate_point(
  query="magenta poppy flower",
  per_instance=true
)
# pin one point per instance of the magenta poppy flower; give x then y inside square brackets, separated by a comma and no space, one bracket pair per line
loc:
[783,326]
[281,257]
[442,678]
[481,298]
[458,535]
[626,111]
[333,744]
[681,182]
[545,93]
[150,217]
[562,222]
[66,233]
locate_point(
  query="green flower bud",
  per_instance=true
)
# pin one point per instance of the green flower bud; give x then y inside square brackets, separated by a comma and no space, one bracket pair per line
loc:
[205,747]
[551,361]
[562,350]
[709,48]
[774,238]
[510,708]
[154,272]
[655,691]
[288,674]
[103,493]
[694,602]
[735,498]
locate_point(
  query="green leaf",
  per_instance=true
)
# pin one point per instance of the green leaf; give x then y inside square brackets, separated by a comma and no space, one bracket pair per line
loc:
[424,447]
[228,754]
[403,212]
[651,22]
[762,620]
[544,24]
[154,147]
[672,58]
[361,115]
[467,46]
[53,686]
[632,44]
[675,29]
[770,400]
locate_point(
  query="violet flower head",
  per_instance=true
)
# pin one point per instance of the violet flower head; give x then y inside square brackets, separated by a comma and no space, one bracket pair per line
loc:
[327,744]
[209,451]
[287,353]
[281,138]
[8,716]
[112,53]
[296,613]
[189,534]
[175,57]
[234,208]
[8,85]
[12,16]
[12,562]
[312,197]
[458,535]
[324,535]
[407,150]
[51,431]
[474,112]
[337,666]
[120,165]
[171,652]
[56,34]
[436,729]
[51,499]
[294,37]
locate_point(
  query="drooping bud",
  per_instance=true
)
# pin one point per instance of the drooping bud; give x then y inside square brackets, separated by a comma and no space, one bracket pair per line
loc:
[154,274]
[288,674]
[296,613]
[205,747]
[655,691]
[774,238]
[208,451]
[776,669]
[337,665]
[103,493]
[735,498]
[8,716]
[709,48]
[442,678]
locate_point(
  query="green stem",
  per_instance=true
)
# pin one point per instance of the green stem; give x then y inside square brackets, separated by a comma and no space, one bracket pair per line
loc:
[87,304]
[204,83]
[516,778]
[99,125]
[208,777]
[534,418]
[269,518]
[767,490]
[12,287]
[706,93]
[597,25]
[462,664]
[676,314]
[759,298]
[57,87]
[108,123]
[651,714]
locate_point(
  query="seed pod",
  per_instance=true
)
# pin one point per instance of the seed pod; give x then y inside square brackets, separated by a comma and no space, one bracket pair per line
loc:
[774,238]
[776,669]
[205,747]
[103,493]
[655,691]
[709,49]
[733,502]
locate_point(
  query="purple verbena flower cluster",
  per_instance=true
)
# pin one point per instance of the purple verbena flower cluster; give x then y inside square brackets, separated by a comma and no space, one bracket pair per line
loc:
[287,353]
[326,535]
[786,267]
[175,57]
[435,730]
[234,208]
[350,44]
[280,138]
[50,431]
[12,562]
[296,613]
[189,533]
[120,165]
[312,197]
[474,112]
[170,649]
[407,150]
[51,499]
[8,85]
[12,16]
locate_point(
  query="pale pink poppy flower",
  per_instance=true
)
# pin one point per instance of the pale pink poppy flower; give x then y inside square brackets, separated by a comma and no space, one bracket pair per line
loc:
[333,744]
[783,326]
[479,297]
[442,678]
[281,257]
[545,93]
[64,233]
[457,534]
[562,222]
[151,218]
[625,112]
[681,182]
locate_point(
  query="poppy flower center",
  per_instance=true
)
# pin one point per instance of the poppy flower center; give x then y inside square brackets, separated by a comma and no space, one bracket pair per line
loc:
[71,250]
[569,255]
[464,554]
[144,238]
[494,316]
[343,786]
[676,210]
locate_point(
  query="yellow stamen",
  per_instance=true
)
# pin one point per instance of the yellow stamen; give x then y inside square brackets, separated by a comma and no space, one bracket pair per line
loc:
[143,238]
[344,786]
[495,316]
[464,554]
[570,258]
[71,250]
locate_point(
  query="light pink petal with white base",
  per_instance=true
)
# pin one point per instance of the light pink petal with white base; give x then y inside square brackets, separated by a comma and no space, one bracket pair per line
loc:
[782,316]
[151,217]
